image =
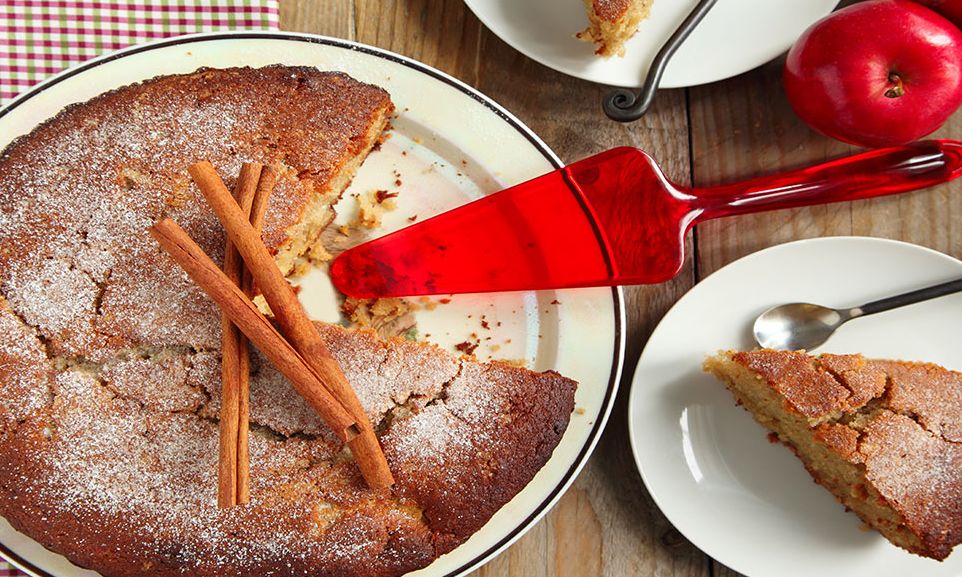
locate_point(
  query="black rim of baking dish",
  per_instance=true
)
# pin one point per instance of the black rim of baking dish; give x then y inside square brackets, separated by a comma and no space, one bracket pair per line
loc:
[617,297]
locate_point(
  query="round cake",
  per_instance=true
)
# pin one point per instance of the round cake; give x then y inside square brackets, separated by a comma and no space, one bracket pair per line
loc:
[110,356]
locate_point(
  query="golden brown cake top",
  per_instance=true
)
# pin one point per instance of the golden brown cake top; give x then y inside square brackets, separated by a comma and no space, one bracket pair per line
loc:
[808,389]
[79,193]
[919,474]
[929,393]
[122,457]
[901,421]
[610,10]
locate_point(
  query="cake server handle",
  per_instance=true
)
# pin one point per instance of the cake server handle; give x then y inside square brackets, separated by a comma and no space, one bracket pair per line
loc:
[866,175]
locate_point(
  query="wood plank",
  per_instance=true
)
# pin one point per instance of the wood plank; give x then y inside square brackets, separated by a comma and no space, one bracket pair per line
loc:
[327,17]
[719,570]
[606,524]
[744,127]
[441,34]
[927,217]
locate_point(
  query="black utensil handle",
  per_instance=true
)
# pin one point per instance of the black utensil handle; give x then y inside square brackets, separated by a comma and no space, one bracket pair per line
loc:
[913,297]
[622,104]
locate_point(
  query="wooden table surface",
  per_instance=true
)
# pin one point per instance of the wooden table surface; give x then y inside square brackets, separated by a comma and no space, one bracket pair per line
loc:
[606,524]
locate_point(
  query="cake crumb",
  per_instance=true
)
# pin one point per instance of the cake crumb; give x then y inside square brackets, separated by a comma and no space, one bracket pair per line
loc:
[372,206]
[383,195]
[318,253]
[427,303]
[466,347]
[390,317]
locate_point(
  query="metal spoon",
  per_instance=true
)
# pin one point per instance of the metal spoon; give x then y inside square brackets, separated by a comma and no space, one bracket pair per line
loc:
[797,326]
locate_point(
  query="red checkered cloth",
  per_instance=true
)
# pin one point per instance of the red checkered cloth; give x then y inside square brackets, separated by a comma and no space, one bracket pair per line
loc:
[41,37]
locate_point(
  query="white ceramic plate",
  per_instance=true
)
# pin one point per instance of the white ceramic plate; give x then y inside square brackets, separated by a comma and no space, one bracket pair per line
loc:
[709,466]
[450,144]
[736,36]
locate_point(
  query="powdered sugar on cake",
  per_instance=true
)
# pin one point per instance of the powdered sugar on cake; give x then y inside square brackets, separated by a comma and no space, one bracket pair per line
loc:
[110,368]
[118,449]
[25,370]
[85,190]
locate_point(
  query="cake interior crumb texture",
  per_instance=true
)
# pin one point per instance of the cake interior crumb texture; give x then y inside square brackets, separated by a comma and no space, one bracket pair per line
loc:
[612,22]
[885,437]
[110,355]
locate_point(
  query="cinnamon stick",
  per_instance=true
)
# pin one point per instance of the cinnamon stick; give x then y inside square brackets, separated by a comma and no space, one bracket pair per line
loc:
[255,326]
[233,464]
[265,186]
[256,207]
[293,320]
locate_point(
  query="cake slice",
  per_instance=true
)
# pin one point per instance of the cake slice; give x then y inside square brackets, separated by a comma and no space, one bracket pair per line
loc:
[612,22]
[885,437]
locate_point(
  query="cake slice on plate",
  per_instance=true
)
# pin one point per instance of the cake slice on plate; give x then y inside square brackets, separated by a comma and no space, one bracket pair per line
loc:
[885,437]
[612,22]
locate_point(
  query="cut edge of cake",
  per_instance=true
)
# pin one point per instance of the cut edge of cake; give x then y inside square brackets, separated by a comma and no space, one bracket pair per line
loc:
[319,213]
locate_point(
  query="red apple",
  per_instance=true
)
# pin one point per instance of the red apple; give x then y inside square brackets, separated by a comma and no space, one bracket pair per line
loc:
[951,9]
[877,73]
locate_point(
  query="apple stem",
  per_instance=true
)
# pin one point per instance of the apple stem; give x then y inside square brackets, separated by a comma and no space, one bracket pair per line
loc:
[898,89]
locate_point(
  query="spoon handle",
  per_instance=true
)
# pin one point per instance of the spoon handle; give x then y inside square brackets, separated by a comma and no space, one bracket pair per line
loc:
[909,298]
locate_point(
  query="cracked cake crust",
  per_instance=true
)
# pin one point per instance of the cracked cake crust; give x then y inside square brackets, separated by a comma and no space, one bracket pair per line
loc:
[110,368]
[885,437]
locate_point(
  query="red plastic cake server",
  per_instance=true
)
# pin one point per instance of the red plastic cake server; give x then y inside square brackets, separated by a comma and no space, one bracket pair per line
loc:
[610,219]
